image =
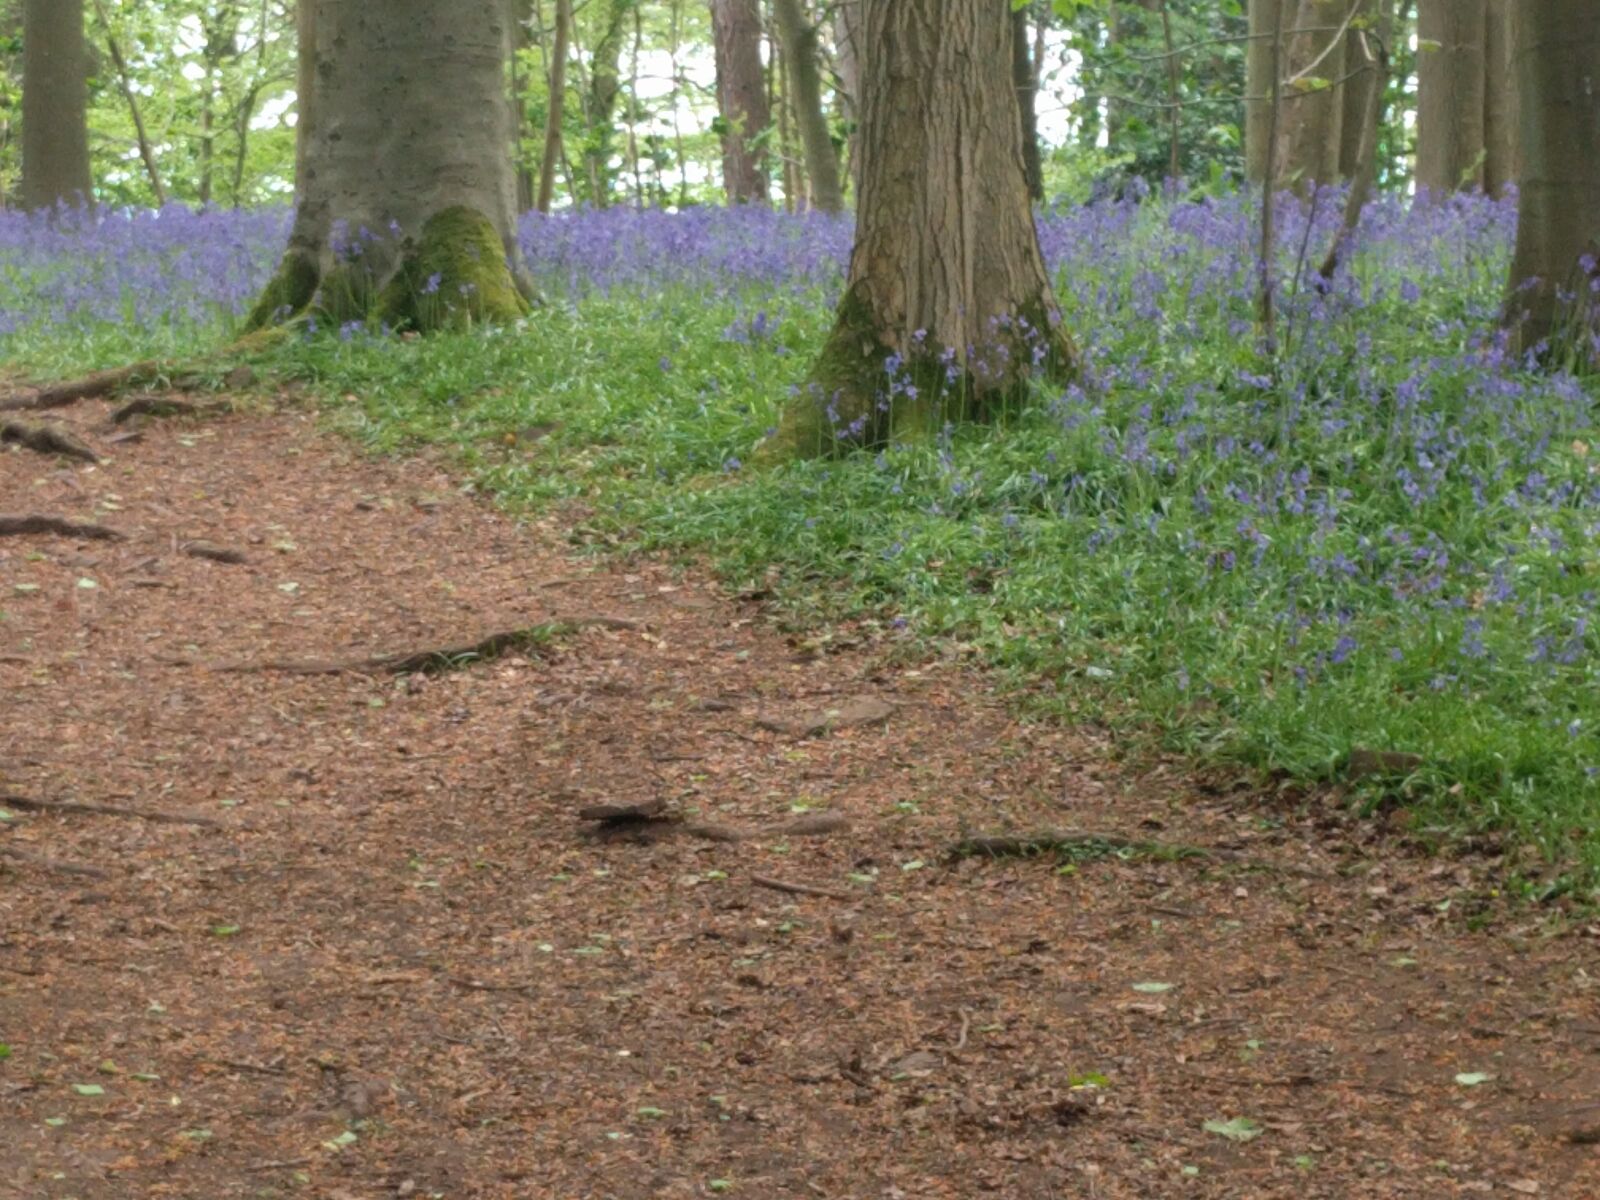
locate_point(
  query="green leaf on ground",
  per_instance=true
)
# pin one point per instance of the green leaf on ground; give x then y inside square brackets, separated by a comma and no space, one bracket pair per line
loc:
[88,1089]
[1473,1078]
[1237,1129]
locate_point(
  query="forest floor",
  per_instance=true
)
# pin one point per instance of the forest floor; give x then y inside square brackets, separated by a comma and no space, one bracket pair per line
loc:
[389,958]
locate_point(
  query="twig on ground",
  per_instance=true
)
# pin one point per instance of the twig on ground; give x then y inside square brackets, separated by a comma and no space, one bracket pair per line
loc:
[43,440]
[280,1164]
[480,986]
[33,804]
[12,524]
[416,661]
[800,889]
[52,864]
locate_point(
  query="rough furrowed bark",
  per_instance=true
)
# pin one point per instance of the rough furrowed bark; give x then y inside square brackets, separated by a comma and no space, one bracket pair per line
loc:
[948,311]
[406,196]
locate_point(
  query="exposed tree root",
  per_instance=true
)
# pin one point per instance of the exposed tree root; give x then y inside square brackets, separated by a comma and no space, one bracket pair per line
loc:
[800,889]
[23,523]
[1074,843]
[52,864]
[160,406]
[32,804]
[44,440]
[419,661]
[100,383]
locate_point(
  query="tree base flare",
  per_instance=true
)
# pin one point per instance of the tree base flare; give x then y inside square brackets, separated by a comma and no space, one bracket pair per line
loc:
[452,275]
[864,394]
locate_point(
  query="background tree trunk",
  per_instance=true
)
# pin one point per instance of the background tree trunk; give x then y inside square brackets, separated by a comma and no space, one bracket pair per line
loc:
[847,55]
[605,85]
[1558,228]
[406,201]
[1258,86]
[1023,75]
[55,99]
[1500,166]
[946,271]
[1354,91]
[1450,94]
[741,97]
[805,78]
[1309,123]
[557,107]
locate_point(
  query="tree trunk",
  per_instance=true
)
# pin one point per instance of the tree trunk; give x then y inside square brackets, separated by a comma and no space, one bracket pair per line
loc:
[1552,303]
[605,85]
[557,107]
[1312,106]
[406,202]
[1258,86]
[1500,166]
[948,309]
[1369,51]
[55,100]
[1354,90]
[1451,36]
[741,97]
[847,56]
[805,78]
[1023,76]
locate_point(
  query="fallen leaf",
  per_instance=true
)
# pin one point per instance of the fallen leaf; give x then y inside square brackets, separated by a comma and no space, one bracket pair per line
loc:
[1237,1129]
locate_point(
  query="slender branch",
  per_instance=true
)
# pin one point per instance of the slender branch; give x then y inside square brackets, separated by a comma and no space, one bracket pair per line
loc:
[145,151]
[1267,314]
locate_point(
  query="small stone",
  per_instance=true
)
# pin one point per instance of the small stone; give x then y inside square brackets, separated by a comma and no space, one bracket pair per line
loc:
[240,377]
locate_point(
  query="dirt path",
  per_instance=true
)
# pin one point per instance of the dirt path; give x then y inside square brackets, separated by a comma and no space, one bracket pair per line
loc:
[399,965]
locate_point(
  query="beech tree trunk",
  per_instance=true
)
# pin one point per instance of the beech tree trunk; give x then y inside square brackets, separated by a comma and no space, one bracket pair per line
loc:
[741,98]
[55,99]
[1311,111]
[1354,90]
[805,78]
[1451,37]
[1259,86]
[948,310]
[405,207]
[605,85]
[1551,303]
[1500,166]
[847,56]
[1023,76]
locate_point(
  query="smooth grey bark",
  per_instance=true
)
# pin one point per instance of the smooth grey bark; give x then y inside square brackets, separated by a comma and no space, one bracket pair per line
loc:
[946,271]
[805,80]
[1500,160]
[405,165]
[1451,36]
[556,111]
[847,59]
[55,100]
[1354,90]
[1259,84]
[1311,105]
[1551,301]
[741,97]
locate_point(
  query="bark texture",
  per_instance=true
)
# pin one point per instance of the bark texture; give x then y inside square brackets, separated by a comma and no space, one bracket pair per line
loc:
[805,78]
[55,99]
[946,280]
[1312,106]
[1259,85]
[405,209]
[741,98]
[1553,273]
[1500,162]
[1451,36]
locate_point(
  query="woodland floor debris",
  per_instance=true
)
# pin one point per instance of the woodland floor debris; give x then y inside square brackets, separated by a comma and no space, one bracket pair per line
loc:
[465,995]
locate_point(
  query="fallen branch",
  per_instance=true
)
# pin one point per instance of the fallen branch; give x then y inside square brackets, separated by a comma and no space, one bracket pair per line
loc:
[810,825]
[1075,843]
[278,1164]
[799,889]
[33,804]
[204,549]
[157,406]
[24,523]
[418,661]
[100,383]
[478,986]
[43,440]
[53,864]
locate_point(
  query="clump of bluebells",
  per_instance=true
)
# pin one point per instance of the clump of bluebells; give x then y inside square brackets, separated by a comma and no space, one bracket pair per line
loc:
[1387,536]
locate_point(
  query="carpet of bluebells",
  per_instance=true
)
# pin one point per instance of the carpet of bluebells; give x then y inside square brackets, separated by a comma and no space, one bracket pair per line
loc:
[1386,538]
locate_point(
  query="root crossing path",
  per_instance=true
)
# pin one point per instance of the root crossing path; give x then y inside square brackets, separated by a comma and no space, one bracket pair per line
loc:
[374,950]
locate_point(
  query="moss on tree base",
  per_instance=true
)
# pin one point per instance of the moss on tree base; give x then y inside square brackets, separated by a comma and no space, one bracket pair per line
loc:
[861,395]
[452,275]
